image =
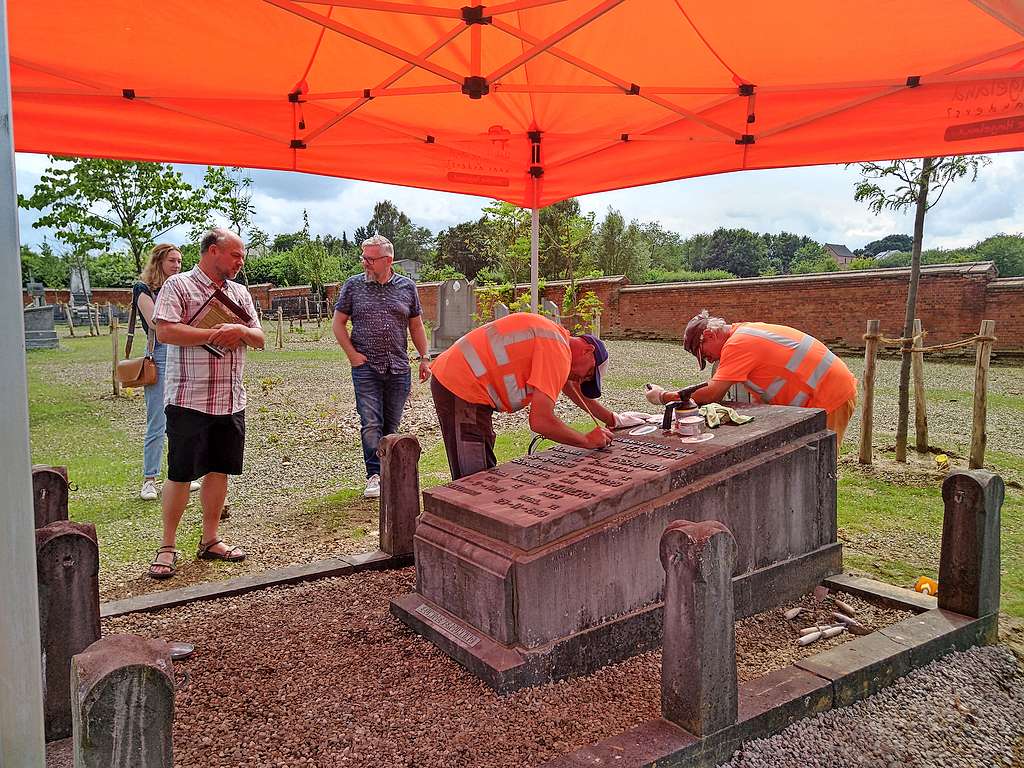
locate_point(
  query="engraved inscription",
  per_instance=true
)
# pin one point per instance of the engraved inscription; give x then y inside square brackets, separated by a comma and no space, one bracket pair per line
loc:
[447,627]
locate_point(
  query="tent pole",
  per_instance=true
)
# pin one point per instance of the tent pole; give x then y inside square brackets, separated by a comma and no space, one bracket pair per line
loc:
[534,258]
[21,693]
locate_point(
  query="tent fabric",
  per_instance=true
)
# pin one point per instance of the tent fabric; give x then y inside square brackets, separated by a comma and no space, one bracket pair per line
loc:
[529,101]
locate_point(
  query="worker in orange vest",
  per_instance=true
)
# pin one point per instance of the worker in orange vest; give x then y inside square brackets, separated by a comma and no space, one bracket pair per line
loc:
[775,363]
[518,361]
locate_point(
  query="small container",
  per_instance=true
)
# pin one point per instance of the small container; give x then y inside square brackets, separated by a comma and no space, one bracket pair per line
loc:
[689,425]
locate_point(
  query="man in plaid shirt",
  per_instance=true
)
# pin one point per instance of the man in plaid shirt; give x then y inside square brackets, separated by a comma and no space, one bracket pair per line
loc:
[204,395]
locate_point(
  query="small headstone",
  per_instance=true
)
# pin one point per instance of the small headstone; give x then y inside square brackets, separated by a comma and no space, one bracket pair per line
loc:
[501,310]
[40,332]
[456,303]
[38,293]
[67,567]
[79,286]
[123,704]
[698,667]
[551,310]
[969,560]
[399,492]
[49,494]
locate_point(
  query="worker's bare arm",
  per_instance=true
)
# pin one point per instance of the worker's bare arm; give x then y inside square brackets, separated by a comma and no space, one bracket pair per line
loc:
[544,422]
[713,392]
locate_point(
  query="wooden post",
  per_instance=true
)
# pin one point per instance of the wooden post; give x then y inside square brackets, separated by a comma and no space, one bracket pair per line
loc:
[920,404]
[305,301]
[969,559]
[399,492]
[94,317]
[71,320]
[868,386]
[698,661]
[978,434]
[319,312]
[114,336]
[110,317]
[280,328]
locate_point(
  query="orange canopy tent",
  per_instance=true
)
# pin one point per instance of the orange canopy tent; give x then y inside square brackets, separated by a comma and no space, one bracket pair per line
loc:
[529,101]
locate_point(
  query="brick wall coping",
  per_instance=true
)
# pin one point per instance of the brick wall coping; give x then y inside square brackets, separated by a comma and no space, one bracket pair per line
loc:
[555,283]
[981,268]
[1006,283]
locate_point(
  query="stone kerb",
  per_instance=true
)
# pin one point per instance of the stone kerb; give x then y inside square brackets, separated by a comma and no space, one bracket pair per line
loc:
[969,562]
[399,492]
[67,567]
[123,704]
[698,669]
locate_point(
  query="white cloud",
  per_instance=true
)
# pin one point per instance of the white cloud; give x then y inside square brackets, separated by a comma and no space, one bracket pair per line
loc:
[817,202]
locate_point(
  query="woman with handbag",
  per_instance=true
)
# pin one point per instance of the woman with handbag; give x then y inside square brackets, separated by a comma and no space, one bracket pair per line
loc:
[164,261]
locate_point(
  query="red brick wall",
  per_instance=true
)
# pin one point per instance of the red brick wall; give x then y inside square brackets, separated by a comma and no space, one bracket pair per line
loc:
[1005,305]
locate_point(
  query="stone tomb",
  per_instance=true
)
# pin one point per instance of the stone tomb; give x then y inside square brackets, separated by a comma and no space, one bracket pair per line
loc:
[547,566]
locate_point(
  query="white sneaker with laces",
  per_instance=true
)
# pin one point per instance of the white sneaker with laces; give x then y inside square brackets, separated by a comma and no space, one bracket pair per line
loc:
[149,491]
[194,486]
[372,487]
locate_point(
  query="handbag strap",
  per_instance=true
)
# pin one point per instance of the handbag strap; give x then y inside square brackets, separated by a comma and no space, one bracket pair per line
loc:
[150,341]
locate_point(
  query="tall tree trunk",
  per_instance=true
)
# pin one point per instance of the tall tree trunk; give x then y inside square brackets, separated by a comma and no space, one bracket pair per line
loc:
[908,322]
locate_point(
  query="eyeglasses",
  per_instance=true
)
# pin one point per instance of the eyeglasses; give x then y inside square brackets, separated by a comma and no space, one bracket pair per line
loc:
[372,258]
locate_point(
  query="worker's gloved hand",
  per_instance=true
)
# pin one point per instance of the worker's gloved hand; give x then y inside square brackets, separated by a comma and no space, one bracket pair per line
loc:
[599,437]
[653,394]
[629,419]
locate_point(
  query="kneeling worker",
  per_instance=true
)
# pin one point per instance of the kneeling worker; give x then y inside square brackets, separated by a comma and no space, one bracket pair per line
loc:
[775,363]
[517,361]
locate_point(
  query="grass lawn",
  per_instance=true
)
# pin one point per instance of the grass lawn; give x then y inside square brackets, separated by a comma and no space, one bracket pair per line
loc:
[300,497]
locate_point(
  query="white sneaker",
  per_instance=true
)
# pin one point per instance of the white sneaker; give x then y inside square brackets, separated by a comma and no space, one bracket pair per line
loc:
[149,491]
[372,487]
[194,486]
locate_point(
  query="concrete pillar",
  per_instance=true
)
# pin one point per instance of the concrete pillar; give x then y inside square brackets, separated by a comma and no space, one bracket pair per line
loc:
[399,492]
[123,705]
[67,566]
[969,563]
[698,667]
[49,494]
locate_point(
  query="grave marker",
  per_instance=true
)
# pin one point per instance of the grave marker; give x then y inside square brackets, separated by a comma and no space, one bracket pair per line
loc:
[399,492]
[49,494]
[456,305]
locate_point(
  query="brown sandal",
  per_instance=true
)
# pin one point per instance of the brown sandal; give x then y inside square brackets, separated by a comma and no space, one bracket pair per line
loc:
[171,566]
[204,552]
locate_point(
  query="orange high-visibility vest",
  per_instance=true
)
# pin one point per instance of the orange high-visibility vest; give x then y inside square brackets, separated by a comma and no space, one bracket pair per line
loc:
[500,364]
[783,366]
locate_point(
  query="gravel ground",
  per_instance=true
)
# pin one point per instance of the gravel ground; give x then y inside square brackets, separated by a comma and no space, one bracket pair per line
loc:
[322,675]
[303,446]
[963,711]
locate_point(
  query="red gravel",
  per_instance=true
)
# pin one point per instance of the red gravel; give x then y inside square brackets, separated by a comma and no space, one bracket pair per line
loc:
[321,674]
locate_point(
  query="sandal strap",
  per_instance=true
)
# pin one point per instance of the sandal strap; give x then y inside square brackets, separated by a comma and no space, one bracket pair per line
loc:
[209,545]
[168,549]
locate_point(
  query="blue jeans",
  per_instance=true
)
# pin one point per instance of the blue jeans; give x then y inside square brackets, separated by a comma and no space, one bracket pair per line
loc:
[156,422]
[380,399]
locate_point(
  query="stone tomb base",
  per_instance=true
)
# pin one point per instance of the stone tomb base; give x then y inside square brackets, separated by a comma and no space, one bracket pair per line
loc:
[548,566]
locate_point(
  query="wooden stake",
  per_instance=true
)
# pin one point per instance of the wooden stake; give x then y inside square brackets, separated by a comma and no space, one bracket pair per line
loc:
[319,312]
[978,434]
[868,385]
[117,354]
[110,317]
[280,328]
[920,404]
[95,317]
[305,301]
[71,322]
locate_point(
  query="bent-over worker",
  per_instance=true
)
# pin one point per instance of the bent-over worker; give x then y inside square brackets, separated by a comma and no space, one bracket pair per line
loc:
[522,360]
[775,363]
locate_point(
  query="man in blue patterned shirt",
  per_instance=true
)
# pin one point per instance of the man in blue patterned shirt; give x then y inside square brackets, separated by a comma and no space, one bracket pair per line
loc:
[383,306]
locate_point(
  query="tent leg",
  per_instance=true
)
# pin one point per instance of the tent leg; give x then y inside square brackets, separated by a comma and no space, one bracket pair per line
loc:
[21,695]
[534,259]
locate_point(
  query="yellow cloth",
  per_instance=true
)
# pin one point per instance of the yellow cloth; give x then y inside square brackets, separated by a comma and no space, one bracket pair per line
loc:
[716,413]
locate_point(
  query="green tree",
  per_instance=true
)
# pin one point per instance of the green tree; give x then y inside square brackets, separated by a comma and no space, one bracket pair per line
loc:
[811,258]
[897,186]
[315,264]
[780,250]
[695,252]
[738,251]
[111,270]
[44,266]
[230,193]
[664,248]
[92,203]
[410,241]
[620,248]
[887,243]
[463,249]
[508,241]
[566,240]
[1007,251]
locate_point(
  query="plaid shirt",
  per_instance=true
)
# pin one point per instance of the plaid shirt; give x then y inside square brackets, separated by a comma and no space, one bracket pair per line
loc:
[194,378]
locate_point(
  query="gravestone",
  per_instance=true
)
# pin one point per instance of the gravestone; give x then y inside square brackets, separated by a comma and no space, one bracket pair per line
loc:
[456,305]
[67,567]
[123,704]
[501,310]
[547,566]
[49,494]
[80,288]
[399,492]
[551,310]
[40,331]
[38,293]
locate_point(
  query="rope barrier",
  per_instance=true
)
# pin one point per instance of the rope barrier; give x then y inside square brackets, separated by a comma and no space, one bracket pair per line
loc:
[901,342]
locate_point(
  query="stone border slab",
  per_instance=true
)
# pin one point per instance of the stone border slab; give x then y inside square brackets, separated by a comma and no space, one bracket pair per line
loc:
[881,593]
[322,569]
[834,678]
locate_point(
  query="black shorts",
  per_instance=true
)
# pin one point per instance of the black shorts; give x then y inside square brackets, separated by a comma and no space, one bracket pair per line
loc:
[198,443]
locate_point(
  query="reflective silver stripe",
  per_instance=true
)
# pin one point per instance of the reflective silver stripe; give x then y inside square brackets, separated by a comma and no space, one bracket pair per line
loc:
[475,363]
[495,400]
[801,352]
[800,399]
[777,338]
[516,396]
[754,388]
[823,366]
[499,341]
[773,389]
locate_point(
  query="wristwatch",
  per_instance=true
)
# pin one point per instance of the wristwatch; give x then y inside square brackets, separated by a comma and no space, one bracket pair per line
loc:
[423,358]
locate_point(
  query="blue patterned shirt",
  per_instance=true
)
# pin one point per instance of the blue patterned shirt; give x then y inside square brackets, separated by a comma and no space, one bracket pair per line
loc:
[380,315]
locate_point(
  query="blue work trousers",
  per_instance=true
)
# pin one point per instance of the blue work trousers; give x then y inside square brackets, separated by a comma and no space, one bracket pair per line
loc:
[380,398]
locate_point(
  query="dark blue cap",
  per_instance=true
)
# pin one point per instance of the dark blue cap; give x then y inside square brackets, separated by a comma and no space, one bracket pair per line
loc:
[592,387]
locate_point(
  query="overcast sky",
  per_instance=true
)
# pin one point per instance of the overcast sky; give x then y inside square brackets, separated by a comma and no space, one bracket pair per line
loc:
[817,202]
